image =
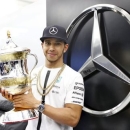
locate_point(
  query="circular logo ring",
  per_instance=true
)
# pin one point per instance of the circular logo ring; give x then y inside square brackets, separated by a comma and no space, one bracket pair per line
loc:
[123,13]
[53,30]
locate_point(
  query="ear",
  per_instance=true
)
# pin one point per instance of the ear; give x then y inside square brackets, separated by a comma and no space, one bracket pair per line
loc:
[66,47]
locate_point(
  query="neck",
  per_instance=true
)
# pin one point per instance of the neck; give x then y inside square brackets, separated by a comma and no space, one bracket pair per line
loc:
[53,64]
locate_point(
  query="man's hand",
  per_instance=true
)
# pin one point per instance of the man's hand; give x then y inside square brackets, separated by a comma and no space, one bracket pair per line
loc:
[25,101]
[5,94]
[21,101]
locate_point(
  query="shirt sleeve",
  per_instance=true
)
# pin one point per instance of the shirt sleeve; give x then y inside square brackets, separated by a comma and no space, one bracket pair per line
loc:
[75,91]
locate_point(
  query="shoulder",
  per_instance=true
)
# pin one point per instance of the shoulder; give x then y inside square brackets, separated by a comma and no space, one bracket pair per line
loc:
[71,72]
[72,76]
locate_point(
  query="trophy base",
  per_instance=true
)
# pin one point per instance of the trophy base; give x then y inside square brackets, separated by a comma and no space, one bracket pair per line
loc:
[19,116]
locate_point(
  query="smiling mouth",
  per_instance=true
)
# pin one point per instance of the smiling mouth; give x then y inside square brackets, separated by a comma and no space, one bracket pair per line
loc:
[50,54]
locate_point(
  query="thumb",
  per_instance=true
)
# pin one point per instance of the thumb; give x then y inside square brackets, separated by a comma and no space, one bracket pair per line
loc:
[30,90]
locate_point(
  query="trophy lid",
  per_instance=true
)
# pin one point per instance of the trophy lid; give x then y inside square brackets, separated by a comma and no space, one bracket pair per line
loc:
[10,46]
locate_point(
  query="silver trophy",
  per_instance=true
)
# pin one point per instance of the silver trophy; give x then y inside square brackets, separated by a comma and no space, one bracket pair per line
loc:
[14,77]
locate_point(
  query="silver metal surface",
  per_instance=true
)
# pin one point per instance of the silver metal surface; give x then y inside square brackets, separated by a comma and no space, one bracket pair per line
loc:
[14,77]
[19,116]
[87,68]
[97,56]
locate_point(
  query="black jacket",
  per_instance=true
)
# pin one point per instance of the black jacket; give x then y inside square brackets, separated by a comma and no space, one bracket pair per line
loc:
[5,106]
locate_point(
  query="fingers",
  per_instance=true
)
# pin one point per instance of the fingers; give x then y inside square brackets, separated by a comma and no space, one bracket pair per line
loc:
[17,101]
[6,94]
[17,105]
[20,104]
[20,109]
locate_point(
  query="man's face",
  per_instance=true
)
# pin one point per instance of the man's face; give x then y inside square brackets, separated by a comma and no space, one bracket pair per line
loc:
[53,49]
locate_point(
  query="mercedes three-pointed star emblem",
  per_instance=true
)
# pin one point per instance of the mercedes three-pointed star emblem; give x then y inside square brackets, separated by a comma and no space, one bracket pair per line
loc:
[98,58]
[53,30]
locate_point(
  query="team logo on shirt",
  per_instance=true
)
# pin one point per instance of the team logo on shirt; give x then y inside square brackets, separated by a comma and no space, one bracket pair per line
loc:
[77,102]
[77,93]
[59,79]
[77,98]
[55,89]
[78,88]
[76,83]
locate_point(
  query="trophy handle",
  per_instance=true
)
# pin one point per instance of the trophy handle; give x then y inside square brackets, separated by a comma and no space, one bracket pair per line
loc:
[36,59]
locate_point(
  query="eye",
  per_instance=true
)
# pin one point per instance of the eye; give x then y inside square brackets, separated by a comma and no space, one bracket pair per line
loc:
[47,43]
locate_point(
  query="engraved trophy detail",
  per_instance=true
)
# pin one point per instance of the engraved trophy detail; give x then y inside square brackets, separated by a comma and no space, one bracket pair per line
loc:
[14,77]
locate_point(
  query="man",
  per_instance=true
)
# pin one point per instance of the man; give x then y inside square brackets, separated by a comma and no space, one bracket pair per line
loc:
[64,92]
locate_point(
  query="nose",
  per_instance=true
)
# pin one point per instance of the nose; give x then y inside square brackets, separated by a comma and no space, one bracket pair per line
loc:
[52,48]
